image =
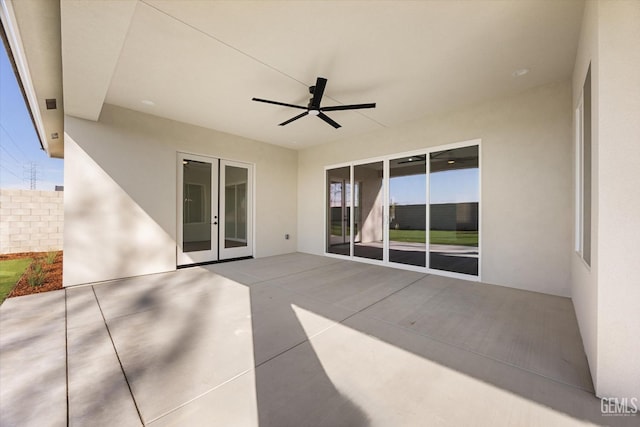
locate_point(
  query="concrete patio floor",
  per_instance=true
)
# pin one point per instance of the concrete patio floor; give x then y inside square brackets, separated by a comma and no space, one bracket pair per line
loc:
[294,340]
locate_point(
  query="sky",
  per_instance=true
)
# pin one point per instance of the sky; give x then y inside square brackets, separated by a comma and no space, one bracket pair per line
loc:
[455,186]
[19,143]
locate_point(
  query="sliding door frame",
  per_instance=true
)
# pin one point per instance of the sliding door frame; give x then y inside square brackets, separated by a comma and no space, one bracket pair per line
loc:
[453,146]
[385,194]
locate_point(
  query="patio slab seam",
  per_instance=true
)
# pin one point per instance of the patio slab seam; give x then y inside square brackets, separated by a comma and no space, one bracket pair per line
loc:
[282,276]
[335,323]
[322,301]
[383,298]
[193,399]
[126,379]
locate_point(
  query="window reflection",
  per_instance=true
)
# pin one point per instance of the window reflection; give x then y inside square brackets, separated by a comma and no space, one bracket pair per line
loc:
[235,227]
[407,210]
[196,227]
[338,195]
[453,213]
[369,218]
[450,192]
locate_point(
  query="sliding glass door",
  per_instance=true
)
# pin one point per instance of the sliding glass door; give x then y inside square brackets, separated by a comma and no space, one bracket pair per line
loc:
[418,210]
[454,210]
[369,211]
[407,212]
[338,211]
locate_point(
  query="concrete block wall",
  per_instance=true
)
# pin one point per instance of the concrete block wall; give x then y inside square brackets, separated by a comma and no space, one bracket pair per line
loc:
[30,220]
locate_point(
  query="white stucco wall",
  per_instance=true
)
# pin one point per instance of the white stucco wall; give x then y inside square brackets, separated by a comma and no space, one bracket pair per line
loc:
[526,182]
[606,296]
[619,199]
[584,286]
[120,192]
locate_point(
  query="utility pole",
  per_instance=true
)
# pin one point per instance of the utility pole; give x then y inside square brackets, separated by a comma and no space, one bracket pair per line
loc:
[31,174]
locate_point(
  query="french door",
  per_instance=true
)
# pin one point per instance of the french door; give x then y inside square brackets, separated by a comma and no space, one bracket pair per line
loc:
[214,209]
[236,227]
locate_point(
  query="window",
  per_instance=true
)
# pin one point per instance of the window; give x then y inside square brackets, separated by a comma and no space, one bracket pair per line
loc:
[454,196]
[416,210]
[407,210]
[194,203]
[235,225]
[583,172]
[338,212]
[370,219]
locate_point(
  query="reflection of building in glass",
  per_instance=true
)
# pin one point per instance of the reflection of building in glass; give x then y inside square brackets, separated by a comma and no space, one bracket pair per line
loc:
[448,230]
[454,228]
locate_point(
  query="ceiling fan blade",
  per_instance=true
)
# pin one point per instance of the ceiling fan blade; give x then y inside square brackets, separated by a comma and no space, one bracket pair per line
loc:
[439,153]
[348,107]
[328,120]
[279,103]
[321,82]
[294,118]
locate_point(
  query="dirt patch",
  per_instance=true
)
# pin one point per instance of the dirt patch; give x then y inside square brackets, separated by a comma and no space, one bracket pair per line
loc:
[52,274]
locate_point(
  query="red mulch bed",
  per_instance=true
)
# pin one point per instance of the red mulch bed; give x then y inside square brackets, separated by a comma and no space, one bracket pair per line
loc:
[53,274]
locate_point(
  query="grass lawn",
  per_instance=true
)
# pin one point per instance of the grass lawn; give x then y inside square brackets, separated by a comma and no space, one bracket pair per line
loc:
[412,236]
[446,237]
[437,237]
[10,272]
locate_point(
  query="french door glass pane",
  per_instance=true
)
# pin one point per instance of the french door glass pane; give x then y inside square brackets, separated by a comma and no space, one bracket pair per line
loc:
[453,215]
[407,210]
[338,211]
[369,218]
[235,193]
[196,224]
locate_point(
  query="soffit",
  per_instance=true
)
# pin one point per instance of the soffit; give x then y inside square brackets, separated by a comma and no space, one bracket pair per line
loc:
[93,33]
[33,32]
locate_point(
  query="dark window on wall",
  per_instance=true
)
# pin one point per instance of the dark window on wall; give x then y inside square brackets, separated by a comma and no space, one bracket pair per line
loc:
[583,165]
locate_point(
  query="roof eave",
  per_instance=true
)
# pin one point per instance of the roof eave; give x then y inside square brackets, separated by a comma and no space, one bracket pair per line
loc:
[26,27]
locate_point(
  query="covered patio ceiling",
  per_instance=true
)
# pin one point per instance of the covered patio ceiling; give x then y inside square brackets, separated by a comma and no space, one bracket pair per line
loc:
[201,62]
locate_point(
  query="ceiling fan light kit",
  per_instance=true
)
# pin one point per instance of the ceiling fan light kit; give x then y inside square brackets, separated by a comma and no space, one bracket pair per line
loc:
[314,108]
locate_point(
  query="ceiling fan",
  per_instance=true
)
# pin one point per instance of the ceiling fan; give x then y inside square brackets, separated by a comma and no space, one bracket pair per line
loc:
[314,108]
